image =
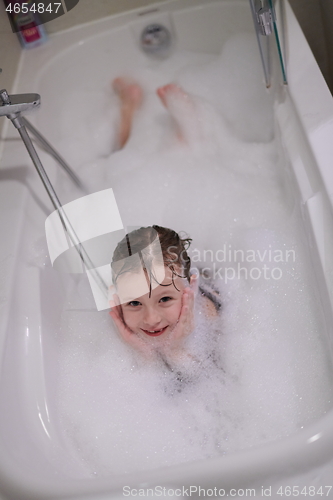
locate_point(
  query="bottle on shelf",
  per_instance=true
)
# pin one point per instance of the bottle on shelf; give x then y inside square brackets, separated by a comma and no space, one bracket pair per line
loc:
[24,21]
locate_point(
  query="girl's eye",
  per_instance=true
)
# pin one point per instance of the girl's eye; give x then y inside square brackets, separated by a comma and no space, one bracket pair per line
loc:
[134,303]
[165,299]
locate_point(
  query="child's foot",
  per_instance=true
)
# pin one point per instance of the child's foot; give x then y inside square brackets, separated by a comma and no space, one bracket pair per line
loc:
[130,95]
[183,110]
[171,91]
[129,92]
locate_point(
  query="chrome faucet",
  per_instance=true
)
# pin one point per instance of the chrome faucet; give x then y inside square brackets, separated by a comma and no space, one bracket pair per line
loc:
[12,106]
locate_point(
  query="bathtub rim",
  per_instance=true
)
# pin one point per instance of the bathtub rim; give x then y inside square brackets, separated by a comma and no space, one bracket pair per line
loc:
[315,452]
[236,470]
[314,109]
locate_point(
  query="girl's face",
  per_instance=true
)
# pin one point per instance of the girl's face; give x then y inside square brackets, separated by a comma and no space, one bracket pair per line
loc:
[158,314]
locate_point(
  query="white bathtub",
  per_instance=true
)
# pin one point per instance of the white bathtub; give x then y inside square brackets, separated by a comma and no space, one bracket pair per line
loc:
[34,460]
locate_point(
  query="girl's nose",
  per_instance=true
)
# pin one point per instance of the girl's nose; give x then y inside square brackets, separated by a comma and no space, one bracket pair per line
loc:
[152,317]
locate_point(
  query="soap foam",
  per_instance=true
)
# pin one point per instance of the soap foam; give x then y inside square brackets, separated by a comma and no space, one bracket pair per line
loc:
[264,372]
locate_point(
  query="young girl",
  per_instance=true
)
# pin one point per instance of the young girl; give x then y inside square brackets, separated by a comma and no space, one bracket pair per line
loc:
[158,322]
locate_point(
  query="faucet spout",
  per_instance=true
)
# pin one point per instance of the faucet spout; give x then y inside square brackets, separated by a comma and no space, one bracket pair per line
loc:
[13,105]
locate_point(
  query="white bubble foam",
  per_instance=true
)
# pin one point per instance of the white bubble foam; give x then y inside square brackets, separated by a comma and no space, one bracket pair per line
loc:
[264,372]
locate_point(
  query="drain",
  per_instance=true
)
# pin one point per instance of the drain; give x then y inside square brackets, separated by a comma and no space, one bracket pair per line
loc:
[156,39]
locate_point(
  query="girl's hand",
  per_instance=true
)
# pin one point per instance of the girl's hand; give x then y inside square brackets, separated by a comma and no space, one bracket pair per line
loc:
[185,323]
[128,335]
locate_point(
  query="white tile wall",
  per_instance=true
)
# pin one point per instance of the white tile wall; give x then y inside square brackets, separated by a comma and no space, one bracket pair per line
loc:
[10,51]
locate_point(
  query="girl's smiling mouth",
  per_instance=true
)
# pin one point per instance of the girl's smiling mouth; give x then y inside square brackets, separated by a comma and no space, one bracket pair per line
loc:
[155,333]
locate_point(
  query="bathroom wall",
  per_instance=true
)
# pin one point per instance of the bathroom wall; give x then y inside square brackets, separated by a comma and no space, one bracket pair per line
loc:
[10,51]
[327,15]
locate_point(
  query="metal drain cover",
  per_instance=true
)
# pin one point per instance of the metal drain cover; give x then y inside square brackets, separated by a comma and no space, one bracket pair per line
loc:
[155,39]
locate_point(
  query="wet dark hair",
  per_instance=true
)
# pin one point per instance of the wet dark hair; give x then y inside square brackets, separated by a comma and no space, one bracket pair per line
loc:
[174,252]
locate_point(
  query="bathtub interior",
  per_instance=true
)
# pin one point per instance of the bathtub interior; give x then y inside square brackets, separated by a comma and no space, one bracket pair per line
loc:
[77,82]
